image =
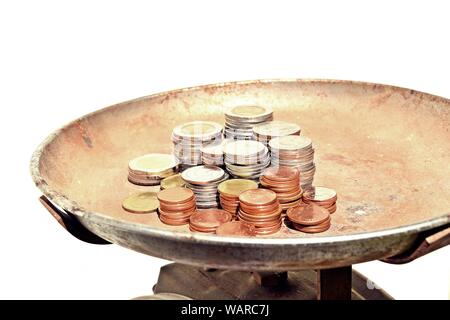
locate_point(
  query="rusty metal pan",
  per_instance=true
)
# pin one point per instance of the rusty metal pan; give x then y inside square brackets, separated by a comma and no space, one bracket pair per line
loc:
[384,149]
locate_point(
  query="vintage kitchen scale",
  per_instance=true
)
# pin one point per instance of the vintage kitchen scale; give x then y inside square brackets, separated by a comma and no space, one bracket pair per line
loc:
[386,150]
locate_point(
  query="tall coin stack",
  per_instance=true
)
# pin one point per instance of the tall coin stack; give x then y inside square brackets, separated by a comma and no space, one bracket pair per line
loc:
[190,137]
[203,181]
[230,191]
[285,182]
[246,158]
[150,169]
[260,207]
[176,205]
[296,152]
[266,131]
[239,120]
[322,196]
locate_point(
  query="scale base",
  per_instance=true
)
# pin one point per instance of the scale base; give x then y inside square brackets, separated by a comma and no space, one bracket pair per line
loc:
[211,284]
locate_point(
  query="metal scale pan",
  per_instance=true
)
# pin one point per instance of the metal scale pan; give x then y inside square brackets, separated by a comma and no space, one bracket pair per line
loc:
[386,150]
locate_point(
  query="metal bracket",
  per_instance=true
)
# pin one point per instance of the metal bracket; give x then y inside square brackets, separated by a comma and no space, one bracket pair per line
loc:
[426,242]
[71,223]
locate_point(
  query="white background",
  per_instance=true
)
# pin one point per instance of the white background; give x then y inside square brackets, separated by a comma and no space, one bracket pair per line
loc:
[61,59]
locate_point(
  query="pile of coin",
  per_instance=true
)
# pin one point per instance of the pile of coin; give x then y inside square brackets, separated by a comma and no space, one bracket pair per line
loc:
[322,196]
[190,137]
[297,152]
[236,228]
[239,120]
[144,202]
[150,169]
[246,158]
[230,191]
[260,207]
[172,182]
[309,218]
[208,220]
[176,205]
[266,131]
[212,154]
[203,181]
[285,182]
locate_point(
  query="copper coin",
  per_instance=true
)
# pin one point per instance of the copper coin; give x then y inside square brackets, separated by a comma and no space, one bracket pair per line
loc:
[308,215]
[176,195]
[175,215]
[194,229]
[266,217]
[209,218]
[236,228]
[292,204]
[312,229]
[298,192]
[332,209]
[227,202]
[173,222]
[258,197]
[280,187]
[262,224]
[188,206]
[259,209]
[281,173]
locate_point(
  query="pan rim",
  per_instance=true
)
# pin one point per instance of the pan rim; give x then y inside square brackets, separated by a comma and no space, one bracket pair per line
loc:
[84,215]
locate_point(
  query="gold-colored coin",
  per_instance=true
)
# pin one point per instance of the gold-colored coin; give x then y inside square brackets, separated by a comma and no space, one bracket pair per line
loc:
[234,187]
[172,182]
[144,202]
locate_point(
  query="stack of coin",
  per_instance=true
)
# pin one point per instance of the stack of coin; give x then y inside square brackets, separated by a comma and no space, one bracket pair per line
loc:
[203,181]
[324,197]
[172,182]
[266,131]
[150,169]
[212,154]
[230,191]
[208,220]
[239,120]
[309,218]
[297,152]
[236,228]
[176,205]
[190,137]
[246,159]
[144,202]
[285,182]
[260,207]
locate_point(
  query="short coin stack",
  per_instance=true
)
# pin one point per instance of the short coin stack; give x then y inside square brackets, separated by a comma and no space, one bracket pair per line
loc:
[297,152]
[229,193]
[260,207]
[239,120]
[236,228]
[324,197]
[208,220]
[176,205]
[203,181]
[150,169]
[246,159]
[212,154]
[284,181]
[190,137]
[273,129]
[309,218]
